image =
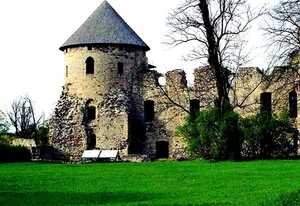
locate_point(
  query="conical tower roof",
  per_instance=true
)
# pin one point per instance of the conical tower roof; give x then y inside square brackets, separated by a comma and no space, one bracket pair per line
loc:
[105,26]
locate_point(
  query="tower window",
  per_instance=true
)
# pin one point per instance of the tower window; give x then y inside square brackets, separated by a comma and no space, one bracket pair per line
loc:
[91,113]
[293,104]
[120,68]
[149,110]
[89,65]
[67,71]
[89,47]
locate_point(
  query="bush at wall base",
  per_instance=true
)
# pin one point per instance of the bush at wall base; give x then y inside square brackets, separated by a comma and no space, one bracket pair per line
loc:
[10,153]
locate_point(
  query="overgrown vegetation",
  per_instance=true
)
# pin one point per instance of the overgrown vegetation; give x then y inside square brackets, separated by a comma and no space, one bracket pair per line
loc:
[265,136]
[210,136]
[157,183]
[11,153]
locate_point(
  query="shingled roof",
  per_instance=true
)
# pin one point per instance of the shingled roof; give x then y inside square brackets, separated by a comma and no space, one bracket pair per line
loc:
[105,26]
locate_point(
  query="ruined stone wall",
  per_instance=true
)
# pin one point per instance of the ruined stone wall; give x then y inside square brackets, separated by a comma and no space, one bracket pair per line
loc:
[247,85]
[172,100]
[67,132]
[119,101]
[204,88]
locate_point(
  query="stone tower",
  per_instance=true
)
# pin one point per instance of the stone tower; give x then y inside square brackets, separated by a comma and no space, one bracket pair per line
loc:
[101,106]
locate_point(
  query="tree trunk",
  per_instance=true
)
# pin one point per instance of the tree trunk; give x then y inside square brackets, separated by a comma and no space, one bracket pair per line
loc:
[214,60]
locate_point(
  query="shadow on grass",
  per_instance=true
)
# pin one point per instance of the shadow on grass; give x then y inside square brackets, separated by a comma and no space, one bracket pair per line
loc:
[76,198]
[82,198]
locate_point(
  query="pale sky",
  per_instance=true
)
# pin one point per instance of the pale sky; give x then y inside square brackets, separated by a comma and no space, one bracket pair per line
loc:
[33,30]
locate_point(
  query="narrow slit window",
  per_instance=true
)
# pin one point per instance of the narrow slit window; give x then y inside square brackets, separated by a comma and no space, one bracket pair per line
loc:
[149,110]
[194,107]
[67,71]
[91,141]
[293,104]
[120,68]
[266,103]
[89,65]
[91,113]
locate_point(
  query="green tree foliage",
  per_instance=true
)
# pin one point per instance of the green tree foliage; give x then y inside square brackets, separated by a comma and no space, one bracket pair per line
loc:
[41,136]
[4,128]
[210,136]
[265,136]
[4,124]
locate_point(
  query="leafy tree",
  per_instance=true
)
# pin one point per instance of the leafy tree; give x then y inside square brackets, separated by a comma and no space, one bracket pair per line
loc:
[42,134]
[211,137]
[4,128]
[268,136]
[230,137]
[4,124]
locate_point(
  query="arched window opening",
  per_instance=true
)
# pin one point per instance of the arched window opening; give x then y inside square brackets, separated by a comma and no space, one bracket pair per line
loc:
[293,104]
[194,107]
[120,68]
[89,65]
[149,110]
[91,113]
[162,149]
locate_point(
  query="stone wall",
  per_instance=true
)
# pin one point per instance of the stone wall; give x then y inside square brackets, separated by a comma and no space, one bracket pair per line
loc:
[172,100]
[29,143]
[119,101]
[113,91]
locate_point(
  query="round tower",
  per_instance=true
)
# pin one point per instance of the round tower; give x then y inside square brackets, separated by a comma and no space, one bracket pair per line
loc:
[101,106]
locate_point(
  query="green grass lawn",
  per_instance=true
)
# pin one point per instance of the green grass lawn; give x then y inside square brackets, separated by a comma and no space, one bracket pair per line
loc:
[156,183]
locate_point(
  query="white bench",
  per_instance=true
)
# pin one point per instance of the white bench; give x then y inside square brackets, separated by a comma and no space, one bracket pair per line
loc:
[100,154]
[109,154]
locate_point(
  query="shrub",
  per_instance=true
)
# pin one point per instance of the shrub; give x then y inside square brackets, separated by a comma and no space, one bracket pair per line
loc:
[265,136]
[212,137]
[9,153]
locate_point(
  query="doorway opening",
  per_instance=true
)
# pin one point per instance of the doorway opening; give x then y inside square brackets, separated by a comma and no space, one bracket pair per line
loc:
[162,149]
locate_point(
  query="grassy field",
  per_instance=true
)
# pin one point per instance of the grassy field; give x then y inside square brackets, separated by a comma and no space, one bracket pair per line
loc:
[156,183]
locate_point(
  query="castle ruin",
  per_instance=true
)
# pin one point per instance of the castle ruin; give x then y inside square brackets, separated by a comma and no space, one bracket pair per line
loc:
[112,98]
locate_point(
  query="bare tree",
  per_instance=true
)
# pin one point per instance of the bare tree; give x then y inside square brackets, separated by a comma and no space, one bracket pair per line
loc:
[282,31]
[216,28]
[23,117]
